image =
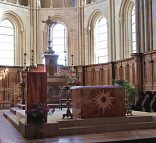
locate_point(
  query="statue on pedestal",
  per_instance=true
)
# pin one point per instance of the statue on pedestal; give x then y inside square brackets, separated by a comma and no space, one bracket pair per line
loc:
[50,58]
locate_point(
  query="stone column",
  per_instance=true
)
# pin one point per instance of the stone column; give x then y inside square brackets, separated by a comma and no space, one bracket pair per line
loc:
[148,25]
[51,4]
[121,23]
[139,26]
[33,28]
[17,2]
[63,3]
[112,45]
[154,23]
[81,50]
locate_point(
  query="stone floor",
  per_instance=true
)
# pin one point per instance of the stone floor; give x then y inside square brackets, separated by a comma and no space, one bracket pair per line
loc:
[8,134]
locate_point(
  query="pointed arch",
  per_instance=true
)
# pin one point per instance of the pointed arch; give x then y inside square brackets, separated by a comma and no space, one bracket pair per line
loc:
[19,34]
[63,21]
[94,18]
[125,28]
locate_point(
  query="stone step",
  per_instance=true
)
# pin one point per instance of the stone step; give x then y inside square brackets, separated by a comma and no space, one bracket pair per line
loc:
[86,126]
[19,112]
[14,109]
[21,106]
[107,120]
[57,106]
[50,105]
[13,119]
[106,128]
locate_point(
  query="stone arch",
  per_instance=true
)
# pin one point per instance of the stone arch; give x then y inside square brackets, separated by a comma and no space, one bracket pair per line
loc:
[62,20]
[19,34]
[94,16]
[124,26]
[97,14]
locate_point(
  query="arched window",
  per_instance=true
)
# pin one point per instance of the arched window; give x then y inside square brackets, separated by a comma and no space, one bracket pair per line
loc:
[133,31]
[7,43]
[100,40]
[59,42]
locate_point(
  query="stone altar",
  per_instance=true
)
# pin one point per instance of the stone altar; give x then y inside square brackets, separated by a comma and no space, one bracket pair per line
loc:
[98,101]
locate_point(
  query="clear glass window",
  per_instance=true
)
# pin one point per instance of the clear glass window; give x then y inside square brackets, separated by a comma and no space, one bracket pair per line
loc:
[7,46]
[59,43]
[133,32]
[101,47]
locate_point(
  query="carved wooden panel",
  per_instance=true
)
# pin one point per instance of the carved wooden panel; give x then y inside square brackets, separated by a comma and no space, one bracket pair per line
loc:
[80,75]
[111,73]
[154,71]
[131,71]
[1,79]
[36,88]
[105,74]
[12,77]
[8,83]
[118,70]
[98,75]
[89,79]
[148,72]
[125,70]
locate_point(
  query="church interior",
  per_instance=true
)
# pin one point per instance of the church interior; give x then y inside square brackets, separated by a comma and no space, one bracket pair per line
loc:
[77,71]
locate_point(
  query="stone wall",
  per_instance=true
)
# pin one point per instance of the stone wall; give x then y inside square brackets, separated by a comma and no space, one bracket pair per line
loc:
[77,17]
[21,16]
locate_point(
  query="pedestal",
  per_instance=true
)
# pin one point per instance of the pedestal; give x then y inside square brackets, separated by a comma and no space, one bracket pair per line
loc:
[50,63]
[36,94]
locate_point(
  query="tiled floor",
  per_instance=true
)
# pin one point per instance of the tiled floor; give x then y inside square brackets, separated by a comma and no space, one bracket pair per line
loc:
[8,134]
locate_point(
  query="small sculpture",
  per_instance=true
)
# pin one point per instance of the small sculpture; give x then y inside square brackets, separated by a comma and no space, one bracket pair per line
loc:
[68,112]
[49,22]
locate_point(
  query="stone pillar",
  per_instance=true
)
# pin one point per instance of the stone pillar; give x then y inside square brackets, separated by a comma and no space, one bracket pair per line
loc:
[148,25]
[17,2]
[144,25]
[33,28]
[154,23]
[112,44]
[139,26]
[81,47]
[51,4]
[63,4]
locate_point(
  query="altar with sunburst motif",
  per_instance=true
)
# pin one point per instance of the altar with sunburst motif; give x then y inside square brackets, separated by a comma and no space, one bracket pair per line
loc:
[98,101]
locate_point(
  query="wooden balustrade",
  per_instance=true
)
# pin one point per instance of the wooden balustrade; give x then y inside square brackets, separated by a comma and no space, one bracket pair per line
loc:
[139,70]
[125,70]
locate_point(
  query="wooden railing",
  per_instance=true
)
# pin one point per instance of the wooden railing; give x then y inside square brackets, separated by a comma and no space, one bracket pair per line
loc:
[103,74]
[125,70]
[139,70]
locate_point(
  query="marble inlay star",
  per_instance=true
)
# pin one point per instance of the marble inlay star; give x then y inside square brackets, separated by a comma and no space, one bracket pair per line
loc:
[103,100]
